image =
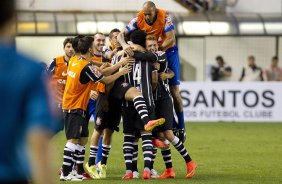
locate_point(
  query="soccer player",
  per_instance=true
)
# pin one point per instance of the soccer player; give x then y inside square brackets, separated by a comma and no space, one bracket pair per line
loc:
[158,22]
[101,119]
[81,76]
[26,121]
[58,72]
[141,79]
[164,108]
[110,51]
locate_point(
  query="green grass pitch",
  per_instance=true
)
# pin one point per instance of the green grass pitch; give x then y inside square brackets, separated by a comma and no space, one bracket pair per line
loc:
[224,152]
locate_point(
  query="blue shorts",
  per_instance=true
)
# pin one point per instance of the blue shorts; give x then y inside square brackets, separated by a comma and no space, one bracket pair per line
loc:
[174,65]
[91,109]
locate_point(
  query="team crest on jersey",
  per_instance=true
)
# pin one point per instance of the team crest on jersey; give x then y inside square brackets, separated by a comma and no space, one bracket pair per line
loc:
[95,71]
[124,84]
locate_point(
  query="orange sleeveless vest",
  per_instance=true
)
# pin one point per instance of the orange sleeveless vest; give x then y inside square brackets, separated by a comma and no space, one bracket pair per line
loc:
[58,79]
[157,28]
[76,95]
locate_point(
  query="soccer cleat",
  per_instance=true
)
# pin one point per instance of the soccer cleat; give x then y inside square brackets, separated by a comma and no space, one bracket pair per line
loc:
[146,174]
[153,123]
[191,169]
[102,170]
[135,174]
[168,173]
[159,144]
[154,174]
[78,176]
[92,171]
[128,176]
[69,177]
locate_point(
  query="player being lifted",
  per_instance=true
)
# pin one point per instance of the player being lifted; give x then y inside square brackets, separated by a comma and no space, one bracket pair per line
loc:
[158,22]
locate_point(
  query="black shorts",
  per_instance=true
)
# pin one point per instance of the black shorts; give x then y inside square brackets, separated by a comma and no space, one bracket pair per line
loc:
[119,89]
[76,125]
[164,109]
[110,117]
[132,121]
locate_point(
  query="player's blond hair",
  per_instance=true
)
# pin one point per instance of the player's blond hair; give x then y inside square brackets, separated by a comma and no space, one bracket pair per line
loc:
[151,37]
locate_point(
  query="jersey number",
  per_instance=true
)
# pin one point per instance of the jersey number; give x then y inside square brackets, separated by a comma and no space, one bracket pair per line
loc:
[137,73]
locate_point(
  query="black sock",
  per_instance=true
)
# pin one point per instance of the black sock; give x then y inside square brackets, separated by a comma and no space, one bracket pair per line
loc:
[176,142]
[147,149]
[141,108]
[167,157]
[92,156]
[105,153]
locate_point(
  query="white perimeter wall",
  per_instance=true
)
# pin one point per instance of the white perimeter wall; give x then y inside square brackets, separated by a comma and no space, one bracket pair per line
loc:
[200,52]
[95,5]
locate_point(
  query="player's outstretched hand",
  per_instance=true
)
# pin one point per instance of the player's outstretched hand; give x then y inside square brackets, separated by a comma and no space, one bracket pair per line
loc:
[127,60]
[163,76]
[128,50]
[125,69]
[93,95]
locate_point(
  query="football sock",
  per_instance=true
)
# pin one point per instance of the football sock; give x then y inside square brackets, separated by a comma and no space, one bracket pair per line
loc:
[93,154]
[128,151]
[135,156]
[105,153]
[74,158]
[147,149]
[181,149]
[154,153]
[68,158]
[180,117]
[141,108]
[167,157]
[80,159]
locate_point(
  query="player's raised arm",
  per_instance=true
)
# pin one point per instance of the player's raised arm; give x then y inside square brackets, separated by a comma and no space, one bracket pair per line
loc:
[170,40]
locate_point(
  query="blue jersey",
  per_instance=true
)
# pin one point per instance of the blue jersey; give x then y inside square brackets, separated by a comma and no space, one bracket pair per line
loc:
[24,107]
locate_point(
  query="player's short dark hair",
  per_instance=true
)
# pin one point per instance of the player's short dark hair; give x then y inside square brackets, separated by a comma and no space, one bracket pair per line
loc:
[219,58]
[138,37]
[113,31]
[67,40]
[84,44]
[75,42]
[7,11]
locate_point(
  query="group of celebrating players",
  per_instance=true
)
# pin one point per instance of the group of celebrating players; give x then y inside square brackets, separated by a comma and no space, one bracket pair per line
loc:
[135,78]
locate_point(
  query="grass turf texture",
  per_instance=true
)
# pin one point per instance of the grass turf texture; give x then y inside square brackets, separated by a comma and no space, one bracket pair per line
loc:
[224,153]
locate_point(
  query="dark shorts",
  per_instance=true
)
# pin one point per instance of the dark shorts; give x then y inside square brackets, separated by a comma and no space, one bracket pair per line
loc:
[119,89]
[164,109]
[132,121]
[174,65]
[110,117]
[76,125]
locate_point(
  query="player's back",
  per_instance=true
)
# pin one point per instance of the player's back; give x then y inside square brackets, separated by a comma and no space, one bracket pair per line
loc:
[141,78]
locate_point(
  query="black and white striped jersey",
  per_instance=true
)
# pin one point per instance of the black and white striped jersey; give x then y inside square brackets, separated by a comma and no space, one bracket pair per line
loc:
[141,78]
[162,90]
